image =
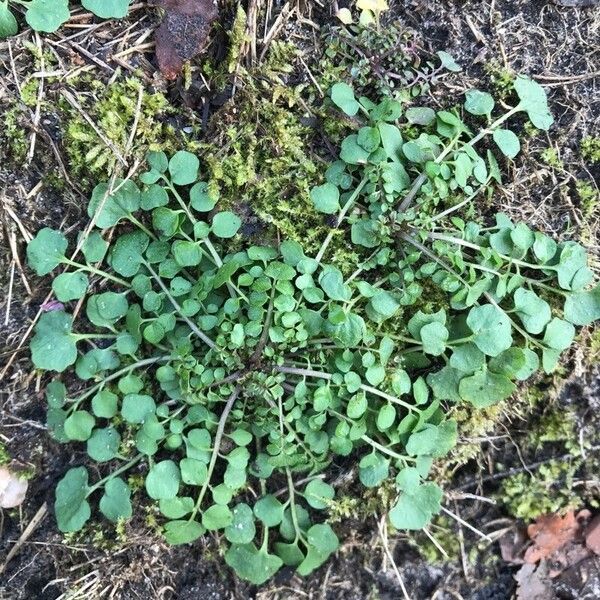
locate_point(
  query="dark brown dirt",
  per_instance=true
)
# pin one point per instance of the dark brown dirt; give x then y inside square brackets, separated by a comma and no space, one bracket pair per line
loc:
[557,45]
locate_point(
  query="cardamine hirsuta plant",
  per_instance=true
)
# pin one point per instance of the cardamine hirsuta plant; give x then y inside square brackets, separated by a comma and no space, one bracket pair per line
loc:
[232,373]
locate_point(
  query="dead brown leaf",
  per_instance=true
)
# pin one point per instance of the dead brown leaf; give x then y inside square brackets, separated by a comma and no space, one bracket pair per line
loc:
[550,533]
[183,32]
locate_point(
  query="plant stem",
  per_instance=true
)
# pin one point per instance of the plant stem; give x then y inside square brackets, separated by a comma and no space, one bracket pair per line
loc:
[340,218]
[120,470]
[385,450]
[96,271]
[117,374]
[216,447]
[178,308]
[141,226]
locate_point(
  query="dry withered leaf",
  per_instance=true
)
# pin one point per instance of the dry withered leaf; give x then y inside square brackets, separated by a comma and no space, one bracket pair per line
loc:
[549,533]
[183,32]
[12,488]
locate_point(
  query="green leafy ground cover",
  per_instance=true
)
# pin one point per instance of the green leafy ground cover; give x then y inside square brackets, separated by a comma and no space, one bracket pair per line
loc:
[48,15]
[236,378]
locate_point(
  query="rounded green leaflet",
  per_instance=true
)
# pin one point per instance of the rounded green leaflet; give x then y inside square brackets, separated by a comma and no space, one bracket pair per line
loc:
[534,102]
[326,198]
[107,9]
[222,494]
[342,96]
[106,309]
[269,510]
[95,361]
[187,254]
[583,308]
[70,506]
[467,358]
[128,253]
[8,23]
[193,472]
[507,141]
[420,115]
[318,494]
[94,247]
[157,161]
[47,15]
[53,347]
[492,332]
[217,516]
[414,510]
[70,286]
[478,102]
[373,469]
[103,445]
[137,407]
[386,417]
[242,528]
[433,440]
[201,197]
[369,138]
[175,508]
[153,196]
[408,480]
[225,224]
[241,437]
[162,481]
[534,312]
[79,425]
[485,388]
[256,566]
[183,168]
[115,504]
[109,204]
[352,153]
[46,250]
[182,532]
[322,542]
[434,337]
[559,334]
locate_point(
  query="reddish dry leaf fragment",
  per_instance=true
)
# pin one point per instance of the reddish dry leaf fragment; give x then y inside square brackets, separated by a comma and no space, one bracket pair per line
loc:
[183,32]
[549,533]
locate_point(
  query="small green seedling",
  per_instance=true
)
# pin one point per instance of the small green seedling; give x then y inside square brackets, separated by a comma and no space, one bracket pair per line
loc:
[48,15]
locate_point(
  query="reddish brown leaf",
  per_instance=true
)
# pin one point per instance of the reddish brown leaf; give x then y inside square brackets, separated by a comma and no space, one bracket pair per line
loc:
[183,32]
[549,533]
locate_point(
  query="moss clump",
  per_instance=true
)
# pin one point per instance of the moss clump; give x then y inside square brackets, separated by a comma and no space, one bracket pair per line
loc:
[550,487]
[548,490]
[113,109]
[4,455]
[589,197]
[501,78]
[590,149]
[551,158]
[13,135]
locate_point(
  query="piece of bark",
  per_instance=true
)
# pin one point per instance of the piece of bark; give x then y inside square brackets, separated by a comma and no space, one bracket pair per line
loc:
[183,33]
